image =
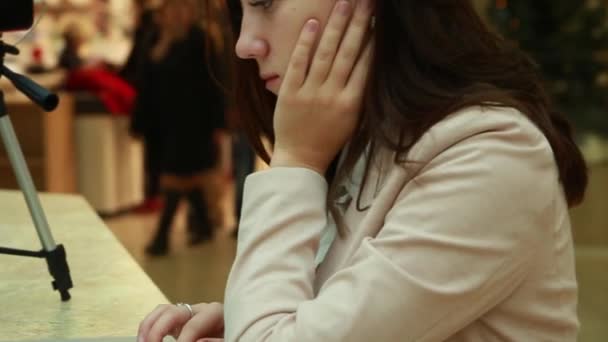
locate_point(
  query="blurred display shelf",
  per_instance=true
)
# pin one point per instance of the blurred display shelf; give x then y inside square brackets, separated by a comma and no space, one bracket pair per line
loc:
[47,142]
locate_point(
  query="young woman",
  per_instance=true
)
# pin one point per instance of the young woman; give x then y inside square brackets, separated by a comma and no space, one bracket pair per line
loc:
[449,201]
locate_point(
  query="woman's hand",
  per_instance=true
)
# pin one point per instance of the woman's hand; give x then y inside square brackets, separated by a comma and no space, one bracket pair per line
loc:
[319,102]
[206,323]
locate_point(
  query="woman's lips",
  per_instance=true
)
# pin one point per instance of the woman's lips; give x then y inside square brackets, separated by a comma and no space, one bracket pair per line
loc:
[271,81]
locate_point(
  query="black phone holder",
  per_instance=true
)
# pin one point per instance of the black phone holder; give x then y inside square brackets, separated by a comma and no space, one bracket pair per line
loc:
[54,254]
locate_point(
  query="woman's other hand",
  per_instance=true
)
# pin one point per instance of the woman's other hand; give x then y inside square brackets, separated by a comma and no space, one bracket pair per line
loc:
[206,323]
[320,101]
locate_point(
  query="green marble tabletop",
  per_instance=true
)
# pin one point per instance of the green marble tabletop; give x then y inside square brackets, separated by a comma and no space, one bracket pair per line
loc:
[111,292]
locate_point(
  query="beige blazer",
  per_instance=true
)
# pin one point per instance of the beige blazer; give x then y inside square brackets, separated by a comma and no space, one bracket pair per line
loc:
[474,244]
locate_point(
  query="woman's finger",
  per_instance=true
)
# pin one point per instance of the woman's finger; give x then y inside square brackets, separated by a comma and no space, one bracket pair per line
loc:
[148,322]
[353,42]
[300,59]
[358,80]
[330,41]
[208,321]
[171,319]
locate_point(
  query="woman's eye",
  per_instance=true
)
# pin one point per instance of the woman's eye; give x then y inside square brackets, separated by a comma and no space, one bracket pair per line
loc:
[265,4]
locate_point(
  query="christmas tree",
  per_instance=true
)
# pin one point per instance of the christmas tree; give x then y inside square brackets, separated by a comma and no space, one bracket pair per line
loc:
[569,41]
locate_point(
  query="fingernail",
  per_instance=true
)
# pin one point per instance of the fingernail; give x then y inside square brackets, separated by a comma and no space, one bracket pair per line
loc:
[312,25]
[343,7]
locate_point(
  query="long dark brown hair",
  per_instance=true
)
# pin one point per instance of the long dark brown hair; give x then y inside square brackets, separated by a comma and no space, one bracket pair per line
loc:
[432,58]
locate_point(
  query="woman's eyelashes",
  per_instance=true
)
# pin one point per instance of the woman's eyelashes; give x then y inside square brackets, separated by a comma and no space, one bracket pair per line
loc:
[265,4]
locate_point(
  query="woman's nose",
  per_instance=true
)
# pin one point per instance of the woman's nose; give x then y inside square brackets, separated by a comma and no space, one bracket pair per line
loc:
[248,47]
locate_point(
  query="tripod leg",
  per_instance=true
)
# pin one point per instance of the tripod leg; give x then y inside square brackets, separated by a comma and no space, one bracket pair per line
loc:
[55,256]
[26,183]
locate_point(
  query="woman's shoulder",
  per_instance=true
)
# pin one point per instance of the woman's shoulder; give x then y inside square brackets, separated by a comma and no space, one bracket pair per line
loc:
[492,147]
[483,126]
[478,157]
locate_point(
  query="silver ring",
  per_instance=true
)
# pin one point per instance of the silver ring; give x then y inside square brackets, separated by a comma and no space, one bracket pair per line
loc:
[187,306]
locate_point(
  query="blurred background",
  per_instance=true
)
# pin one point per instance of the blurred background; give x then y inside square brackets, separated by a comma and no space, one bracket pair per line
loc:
[102,56]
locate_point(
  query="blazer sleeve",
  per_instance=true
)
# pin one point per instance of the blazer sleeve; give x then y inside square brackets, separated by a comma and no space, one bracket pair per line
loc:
[456,242]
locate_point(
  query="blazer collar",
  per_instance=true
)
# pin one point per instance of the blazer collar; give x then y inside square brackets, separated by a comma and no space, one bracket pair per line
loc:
[350,186]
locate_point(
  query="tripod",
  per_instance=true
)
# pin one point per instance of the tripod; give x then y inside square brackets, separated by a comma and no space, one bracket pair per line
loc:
[54,254]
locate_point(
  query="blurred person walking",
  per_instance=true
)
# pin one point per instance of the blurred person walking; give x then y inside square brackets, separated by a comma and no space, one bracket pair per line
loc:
[182,103]
[144,38]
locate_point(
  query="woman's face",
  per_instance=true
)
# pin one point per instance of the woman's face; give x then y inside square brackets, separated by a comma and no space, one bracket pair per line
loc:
[270,30]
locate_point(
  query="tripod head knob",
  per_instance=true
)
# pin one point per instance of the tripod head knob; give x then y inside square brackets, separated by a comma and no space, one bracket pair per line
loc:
[38,94]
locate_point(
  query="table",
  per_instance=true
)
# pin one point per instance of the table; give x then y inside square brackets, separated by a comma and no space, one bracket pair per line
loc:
[111,292]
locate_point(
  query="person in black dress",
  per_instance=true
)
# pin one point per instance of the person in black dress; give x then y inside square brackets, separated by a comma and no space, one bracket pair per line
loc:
[144,38]
[183,106]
